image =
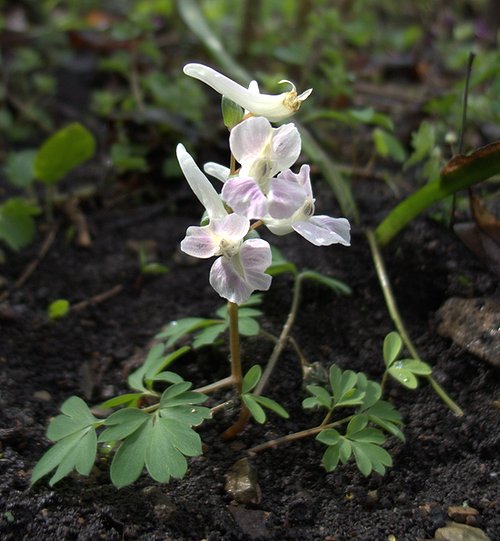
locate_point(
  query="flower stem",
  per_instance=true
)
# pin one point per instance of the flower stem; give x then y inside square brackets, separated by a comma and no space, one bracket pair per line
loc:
[234,345]
[296,436]
[392,307]
[236,375]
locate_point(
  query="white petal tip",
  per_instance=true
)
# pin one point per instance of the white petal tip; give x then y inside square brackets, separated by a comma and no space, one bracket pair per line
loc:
[304,95]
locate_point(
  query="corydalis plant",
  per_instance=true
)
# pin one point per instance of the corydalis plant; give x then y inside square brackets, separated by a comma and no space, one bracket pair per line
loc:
[154,425]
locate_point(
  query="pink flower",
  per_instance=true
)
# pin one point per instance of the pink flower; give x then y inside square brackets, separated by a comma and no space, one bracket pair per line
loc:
[239,269]
[319,230]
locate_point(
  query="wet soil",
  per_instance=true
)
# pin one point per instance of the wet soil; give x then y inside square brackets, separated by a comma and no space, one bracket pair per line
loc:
[445,461]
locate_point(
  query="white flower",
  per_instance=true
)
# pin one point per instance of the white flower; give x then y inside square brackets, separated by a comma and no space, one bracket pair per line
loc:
[274,107]
[262,152]
[319,230]
[239,270]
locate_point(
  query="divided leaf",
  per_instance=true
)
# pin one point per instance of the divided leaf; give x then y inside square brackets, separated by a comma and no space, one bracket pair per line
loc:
[76,447]
[159,441]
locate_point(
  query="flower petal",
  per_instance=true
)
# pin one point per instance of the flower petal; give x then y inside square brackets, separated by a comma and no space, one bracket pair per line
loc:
[245,197]
[220,172]
[200,185]
[324,230]
[248,139]
[256,254]
[200,242]
[273,107]
[285,198]
[232,228]
[228,283]
[286,147]
[302,178]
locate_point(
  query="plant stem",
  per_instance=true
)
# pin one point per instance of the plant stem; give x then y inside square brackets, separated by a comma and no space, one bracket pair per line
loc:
[392,307]
[216,385]
[236,375]
[296,436]
[282,340]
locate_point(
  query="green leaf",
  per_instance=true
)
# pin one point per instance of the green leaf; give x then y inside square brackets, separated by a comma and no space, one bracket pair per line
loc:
[209,335]
[251,378]
[356,424]
[245,312]
[86,453]
[175,330]
[128,398]
[162,459]
[310,402]
[331,458]
[158,363]
[459,173]
[129,460]
[77,409]
[417,367]
[280,264]
[17,227]
[123,423]
[62,152]
[423,142]
[322,396]
[384,415]
[343,387]
[169,377]
[254,408]
[392,347]
[345,450]
[405,377]
[272,405]
[370,457]
[338,287]
[58,309]
[368,435]
[20,168]
[248,326]
[388,146]
[329,436]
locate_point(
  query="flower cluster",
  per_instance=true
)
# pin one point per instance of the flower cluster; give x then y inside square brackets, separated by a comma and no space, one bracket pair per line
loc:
[264,188]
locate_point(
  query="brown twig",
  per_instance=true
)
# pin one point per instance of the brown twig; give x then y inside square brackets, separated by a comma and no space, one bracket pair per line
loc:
[30,269]
[74,214]
[97,299]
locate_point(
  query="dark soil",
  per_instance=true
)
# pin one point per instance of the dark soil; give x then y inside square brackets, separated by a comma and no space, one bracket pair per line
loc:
[445,461]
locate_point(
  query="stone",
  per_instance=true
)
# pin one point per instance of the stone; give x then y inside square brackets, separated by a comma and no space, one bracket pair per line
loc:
[454,531]
[473,324]
[252,522]
[241,483]
[463,514]
[44,396]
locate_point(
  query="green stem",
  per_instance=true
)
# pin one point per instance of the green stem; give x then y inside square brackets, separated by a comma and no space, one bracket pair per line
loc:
[282,340]
[392,307]
[234,346]
[296,436]
[236,374]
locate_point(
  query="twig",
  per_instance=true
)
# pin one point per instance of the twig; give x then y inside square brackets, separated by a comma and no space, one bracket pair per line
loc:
[97,299]
[392,307]
[212,387]
[282,340]
[296,436]
[72,211]
[30,269]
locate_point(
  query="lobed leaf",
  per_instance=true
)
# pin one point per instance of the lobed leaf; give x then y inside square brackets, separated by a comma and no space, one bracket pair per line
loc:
[404,376]
[321,395]
[209,335]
